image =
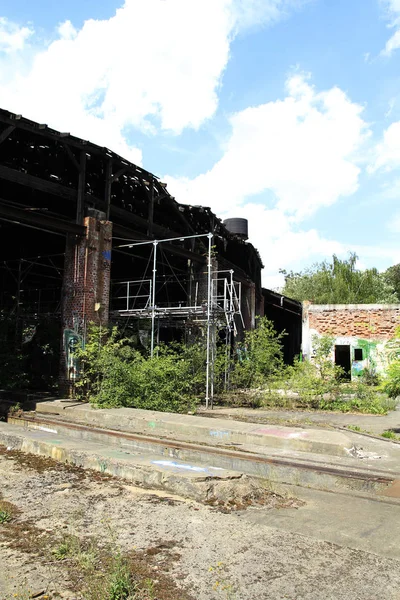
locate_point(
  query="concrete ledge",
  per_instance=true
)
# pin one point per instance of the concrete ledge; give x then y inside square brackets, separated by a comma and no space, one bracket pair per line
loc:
[195,481]
[212,431]
[138,458]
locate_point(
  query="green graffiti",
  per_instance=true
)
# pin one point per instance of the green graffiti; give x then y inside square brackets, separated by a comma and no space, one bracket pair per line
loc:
[369,354]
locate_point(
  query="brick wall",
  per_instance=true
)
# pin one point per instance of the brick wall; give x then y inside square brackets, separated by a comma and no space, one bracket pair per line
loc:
[86,284]
[368,321]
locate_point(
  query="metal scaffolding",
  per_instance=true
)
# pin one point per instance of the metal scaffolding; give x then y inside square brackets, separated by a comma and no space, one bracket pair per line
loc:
[223,304]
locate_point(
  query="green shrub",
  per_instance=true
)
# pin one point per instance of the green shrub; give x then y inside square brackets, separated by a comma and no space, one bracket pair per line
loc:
[259,357]
[116,374]
[392,384]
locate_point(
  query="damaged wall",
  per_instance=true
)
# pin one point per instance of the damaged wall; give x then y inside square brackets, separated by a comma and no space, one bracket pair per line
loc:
[364,334]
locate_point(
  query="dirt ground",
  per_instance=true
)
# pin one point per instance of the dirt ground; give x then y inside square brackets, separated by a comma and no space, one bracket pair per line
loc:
[187,550]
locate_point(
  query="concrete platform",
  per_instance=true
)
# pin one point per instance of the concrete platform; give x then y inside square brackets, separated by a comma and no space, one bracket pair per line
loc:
[374,473]
[373,424]
[216,432]
[195,481]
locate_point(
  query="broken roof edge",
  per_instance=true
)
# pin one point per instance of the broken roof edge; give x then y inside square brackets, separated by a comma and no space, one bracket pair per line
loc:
[19,121]
[277,295]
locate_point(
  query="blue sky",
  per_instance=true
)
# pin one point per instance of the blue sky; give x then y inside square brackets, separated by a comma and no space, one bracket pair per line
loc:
[286,112]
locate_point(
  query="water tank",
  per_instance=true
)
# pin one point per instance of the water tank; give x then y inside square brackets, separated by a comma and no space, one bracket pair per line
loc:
[239,227]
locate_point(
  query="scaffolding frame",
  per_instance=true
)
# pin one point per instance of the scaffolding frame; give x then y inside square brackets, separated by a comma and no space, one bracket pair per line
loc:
[219,312]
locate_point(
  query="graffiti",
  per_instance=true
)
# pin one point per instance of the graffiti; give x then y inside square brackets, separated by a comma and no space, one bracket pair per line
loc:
[184,467]
[377,355]
[392,350]
[219,434]
[72,341]
[103,466]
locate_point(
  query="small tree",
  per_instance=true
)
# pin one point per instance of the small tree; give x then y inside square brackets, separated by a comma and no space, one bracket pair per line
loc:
[259,357]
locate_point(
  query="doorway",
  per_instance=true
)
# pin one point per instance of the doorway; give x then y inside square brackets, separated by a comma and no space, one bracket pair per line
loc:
[343,360]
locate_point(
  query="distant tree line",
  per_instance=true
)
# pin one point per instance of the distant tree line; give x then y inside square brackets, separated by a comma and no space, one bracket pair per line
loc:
[340,282]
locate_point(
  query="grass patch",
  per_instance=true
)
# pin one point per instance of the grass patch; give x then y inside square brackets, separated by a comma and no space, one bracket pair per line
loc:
[5,516]
[390,435]
[100,571]
[7,511]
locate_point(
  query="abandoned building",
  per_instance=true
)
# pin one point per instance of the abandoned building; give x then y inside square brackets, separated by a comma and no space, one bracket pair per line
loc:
[364,334]
[87,236]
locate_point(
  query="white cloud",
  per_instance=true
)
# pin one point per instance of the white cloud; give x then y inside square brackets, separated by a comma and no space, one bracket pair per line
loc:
[67,31]
[302,152]
[155,63]
[302,149]
[387,152]
[13,37]
[392,9]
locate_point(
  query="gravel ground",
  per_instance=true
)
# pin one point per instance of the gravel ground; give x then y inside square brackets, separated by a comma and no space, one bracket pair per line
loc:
[191,551]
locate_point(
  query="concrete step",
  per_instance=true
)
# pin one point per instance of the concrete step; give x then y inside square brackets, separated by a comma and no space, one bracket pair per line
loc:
[208,484]
[190,428]
[370,475]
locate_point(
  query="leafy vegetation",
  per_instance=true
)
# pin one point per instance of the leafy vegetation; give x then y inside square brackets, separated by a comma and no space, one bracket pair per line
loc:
[390,435]
[318,384]
[259,357]
[103,572]
[340,282]
[392,382]
[116,374]
[5,516]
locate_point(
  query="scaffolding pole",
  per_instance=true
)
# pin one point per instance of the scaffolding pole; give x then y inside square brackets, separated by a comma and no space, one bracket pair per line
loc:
[210,236]
[153,300]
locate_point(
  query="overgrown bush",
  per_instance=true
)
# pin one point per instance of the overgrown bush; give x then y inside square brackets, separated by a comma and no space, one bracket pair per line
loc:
[259,357]
[115,374]
[318,384]
[392,384]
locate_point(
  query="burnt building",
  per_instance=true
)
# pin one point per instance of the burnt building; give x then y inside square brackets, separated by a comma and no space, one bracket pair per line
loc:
[78,225]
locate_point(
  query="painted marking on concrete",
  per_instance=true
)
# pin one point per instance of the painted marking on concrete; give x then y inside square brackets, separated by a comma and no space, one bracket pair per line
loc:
[281,433]
[219,433]
[175,465]
[47,429]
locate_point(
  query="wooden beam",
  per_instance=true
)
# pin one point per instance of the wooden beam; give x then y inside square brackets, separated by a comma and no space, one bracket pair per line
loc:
[107,191]
[6,133]
[43,185]
[39,220]
[118,174]
[151,209]
[71,155]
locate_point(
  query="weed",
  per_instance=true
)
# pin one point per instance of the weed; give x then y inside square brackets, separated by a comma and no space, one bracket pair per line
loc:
[221,585]
[6,512]
[5,516]
[62,551]
[16,409]
[358,429]
[390,435]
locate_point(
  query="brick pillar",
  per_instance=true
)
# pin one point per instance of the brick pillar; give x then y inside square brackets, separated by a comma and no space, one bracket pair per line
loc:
[86,290]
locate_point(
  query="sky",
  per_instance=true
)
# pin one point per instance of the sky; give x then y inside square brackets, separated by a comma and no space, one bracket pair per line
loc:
[285,112]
